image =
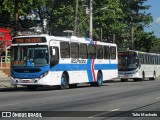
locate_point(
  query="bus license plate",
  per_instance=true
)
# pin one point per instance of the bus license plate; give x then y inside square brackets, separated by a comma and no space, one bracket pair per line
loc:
[126,76]
[26,81]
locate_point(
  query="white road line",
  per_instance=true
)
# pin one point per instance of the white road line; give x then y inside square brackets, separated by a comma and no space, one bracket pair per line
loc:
[103,113]
[115,109]
[158,98]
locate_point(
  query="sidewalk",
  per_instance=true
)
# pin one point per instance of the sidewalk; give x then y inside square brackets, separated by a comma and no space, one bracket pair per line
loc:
[5,83]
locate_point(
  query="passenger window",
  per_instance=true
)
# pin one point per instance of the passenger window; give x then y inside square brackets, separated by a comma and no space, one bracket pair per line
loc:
[99,51]
[74,50]
[65,50]
[91,52]
[113,52]
[83,51]
[106,52]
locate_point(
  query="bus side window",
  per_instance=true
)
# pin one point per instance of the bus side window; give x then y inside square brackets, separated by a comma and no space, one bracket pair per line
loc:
[99,51]
[74,50]
[113,52]
[83,51]
[91,52]
[65,50]
[106,52]
[54,56]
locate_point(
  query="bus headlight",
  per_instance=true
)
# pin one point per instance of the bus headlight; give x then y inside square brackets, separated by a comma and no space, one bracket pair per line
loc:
[43,75]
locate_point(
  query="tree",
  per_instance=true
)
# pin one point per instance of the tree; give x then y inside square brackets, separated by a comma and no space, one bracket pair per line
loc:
[17,8]
[109,20]
[113,20]
[156,46]
[145,41]
[135,17]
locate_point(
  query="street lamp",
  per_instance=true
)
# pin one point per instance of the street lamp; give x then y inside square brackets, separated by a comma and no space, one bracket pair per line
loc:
[69,32]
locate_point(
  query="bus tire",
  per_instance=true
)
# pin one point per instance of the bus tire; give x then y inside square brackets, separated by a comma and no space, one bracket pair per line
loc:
[99,79]
[32,87]
[154,76]
[64,82]
[143,77]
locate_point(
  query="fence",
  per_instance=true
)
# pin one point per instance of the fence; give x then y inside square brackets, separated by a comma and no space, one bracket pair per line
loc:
[4,62]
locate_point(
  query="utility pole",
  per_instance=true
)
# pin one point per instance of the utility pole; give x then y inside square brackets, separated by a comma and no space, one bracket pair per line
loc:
[76,18]
[91,20]
[101,34]
[114,38]
[132,39]
[16,17]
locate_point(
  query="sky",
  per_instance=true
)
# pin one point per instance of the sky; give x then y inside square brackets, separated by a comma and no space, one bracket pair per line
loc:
[155,12]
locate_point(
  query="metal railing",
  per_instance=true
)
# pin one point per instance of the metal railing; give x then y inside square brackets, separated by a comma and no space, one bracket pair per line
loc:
[4,60]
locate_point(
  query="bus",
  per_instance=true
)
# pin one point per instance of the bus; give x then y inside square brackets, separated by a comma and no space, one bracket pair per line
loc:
[138,65]
[43,60]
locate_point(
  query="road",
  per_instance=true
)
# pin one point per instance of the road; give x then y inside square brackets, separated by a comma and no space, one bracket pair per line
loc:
[117,99]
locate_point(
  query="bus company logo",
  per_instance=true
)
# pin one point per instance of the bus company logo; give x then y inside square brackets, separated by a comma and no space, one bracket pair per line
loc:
[78,61]
[6,114]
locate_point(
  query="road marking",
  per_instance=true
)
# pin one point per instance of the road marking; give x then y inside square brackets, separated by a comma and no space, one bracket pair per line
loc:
[103,113]
[115,109]
[98,114]
[158,98]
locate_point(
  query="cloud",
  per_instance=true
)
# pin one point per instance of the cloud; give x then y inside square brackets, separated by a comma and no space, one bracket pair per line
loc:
[158,20]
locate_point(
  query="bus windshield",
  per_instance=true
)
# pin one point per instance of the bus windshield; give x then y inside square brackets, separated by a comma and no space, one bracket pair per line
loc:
[127,61]
[29,56]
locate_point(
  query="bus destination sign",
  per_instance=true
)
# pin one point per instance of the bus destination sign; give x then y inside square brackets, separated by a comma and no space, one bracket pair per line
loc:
[29,40]
[126,53]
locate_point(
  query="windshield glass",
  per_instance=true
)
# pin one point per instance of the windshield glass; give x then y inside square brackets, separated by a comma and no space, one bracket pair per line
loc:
[127,61]
[29,56]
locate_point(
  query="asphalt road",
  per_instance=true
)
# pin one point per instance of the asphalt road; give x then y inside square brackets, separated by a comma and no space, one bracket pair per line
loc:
[115,100]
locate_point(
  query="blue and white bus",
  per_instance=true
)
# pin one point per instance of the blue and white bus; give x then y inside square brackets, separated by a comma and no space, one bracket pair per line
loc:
[49,60]
[138,65]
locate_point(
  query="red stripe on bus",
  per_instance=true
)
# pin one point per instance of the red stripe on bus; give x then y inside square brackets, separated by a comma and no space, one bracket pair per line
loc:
[93,72]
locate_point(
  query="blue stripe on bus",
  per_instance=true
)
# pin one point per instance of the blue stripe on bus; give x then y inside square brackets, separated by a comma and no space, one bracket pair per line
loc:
[68,67]
[87,67]
[89,70]
[73,67]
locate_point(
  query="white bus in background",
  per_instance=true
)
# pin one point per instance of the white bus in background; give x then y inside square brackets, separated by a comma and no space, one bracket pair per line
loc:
[48,60]
[138,65]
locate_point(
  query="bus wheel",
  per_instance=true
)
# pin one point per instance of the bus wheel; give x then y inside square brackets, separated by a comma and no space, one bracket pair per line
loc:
[143,77]
[32,87]
[99,79]
[64,82]
[154,76]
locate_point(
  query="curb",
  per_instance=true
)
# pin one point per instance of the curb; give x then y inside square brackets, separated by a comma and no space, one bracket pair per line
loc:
[4,86]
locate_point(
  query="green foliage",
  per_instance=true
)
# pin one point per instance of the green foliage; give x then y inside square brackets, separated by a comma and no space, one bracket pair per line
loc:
[145,41]
[110,17]
[156,46]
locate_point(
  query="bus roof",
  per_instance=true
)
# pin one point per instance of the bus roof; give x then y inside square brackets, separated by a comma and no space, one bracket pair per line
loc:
[139,52]
[63,38]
